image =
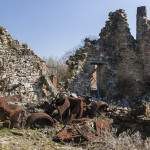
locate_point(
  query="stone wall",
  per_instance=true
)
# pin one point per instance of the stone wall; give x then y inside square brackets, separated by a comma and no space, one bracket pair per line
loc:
[123,62]
[21,71]
[80,69]
[122,66]
[143,42]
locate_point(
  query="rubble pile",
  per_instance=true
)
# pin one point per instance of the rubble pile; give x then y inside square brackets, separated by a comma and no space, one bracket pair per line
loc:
[71,111]
[85,130]
[83,120]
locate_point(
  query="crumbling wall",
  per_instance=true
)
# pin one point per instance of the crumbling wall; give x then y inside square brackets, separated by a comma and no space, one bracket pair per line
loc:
[80,69]
[21,71]
[123,62]
[146,55]
[122,74]
[123,71]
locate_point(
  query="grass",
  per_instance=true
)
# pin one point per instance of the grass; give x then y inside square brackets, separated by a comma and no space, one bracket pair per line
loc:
[27,139]
[41,139]
[124,142]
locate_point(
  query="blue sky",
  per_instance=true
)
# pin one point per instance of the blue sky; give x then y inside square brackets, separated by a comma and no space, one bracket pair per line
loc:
[52,27]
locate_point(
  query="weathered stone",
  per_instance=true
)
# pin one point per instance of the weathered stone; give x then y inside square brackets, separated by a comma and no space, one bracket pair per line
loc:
[122,63]
[22,72]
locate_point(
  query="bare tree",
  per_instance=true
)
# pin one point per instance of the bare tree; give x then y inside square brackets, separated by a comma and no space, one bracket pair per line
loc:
[57,68]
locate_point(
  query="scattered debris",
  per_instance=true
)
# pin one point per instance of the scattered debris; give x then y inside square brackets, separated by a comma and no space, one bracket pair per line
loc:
[15,114]
[86,130]
[102,125]
[38,120]
[32,101]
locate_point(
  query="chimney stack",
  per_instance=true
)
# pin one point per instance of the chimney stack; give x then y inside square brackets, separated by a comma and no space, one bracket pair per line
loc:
[141,22]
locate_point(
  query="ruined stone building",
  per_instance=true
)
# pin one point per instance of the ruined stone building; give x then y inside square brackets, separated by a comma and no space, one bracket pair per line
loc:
[21,71]
[121,62]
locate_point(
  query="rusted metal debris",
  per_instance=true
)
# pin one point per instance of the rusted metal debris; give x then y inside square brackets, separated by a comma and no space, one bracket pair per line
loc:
[102,125]
[15,114]
[63,105]
[64,109]
[76,108]
[95,107]
[78,114]
[70,108]
[67,134]
[87,130]
[37,120]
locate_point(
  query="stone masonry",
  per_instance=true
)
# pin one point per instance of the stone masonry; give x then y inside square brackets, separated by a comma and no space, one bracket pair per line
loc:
[122,62]
[21,71]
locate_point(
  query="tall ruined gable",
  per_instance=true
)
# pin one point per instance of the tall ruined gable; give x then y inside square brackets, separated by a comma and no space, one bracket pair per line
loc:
[21,71]
[119,58]
[122,69]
